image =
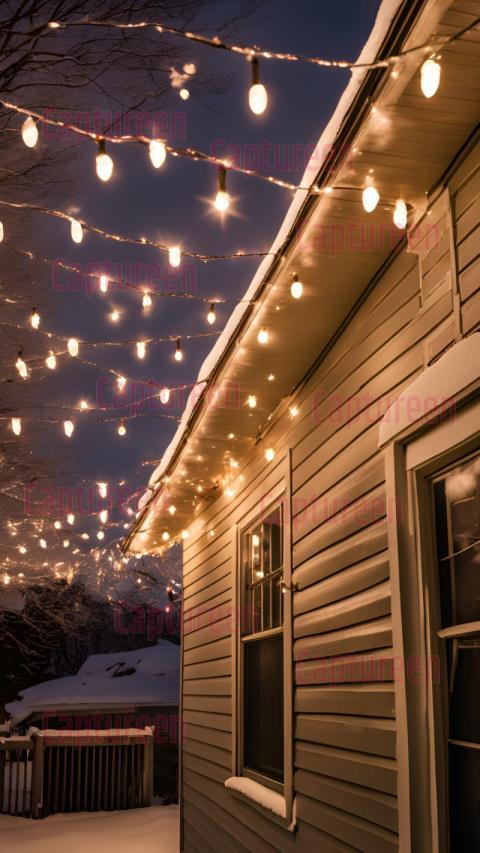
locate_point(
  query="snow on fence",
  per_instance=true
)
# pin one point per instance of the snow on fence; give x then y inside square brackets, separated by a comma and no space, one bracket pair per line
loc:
[47,772]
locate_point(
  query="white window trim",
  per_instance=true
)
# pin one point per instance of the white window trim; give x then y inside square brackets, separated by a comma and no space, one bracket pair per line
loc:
[413,453]
[281,492]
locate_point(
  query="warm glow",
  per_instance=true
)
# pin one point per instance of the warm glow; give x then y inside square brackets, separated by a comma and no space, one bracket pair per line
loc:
[66,543]
[122,429]
[178,352]
[430,77]
[172,509]
[174,256]
[72,346]
[222,201]
[157,152]
[51,361]
[296,288]
[76,230]
[68,428]
[115,316]
[16,426]
[258,99]
[104,283]
[57,525]
[211,316]
[147,300]
[102,489]
[71,518]
[370,198]
[2,232]
[104,164]
[294,411]
[165,536]
[269,454]
[252,401]
[184,94]
[21,366]
[400,214]
[43,543]
[164,396]
[83,405]
[121,382]
[35,319]
[100,534]
[262,336]
[30,132]
[185,534]
[141,349]
[103,516]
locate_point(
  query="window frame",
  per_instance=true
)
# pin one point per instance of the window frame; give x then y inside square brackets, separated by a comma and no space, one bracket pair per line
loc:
[412,462]
[279,495]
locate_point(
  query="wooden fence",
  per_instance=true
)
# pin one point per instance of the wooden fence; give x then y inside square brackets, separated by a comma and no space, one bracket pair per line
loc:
[52,771]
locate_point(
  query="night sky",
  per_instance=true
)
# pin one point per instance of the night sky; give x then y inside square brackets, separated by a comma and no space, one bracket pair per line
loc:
[173,205]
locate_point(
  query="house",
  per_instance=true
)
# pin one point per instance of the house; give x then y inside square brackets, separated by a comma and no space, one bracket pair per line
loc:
[331,520]
[117,691]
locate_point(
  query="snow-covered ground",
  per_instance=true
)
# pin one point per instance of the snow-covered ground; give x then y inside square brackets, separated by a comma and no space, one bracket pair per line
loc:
[151,830]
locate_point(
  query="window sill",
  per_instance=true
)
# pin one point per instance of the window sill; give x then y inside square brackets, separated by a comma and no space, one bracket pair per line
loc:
[270,804]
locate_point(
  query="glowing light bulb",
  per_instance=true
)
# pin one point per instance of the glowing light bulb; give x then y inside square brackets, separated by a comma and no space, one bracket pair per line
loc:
[72,346]
[30,132]
[184,94]
[51,361]
[76,231]
[164,396]
[262,336]
[115,316]
[43,543]
[370,198]
[257,96]
[222,201]
[35,319]
[104,163]
[22,549]
[84,536]
[57,525]
[104,283]
[21,366]
[121,382]
[103,516]
[270,454]
[252,401]
[122,429]
[71,518]
[400,214]
[296,288]
[190,68]
[2,232]
[165,535]
[141,349]
[100,534]
[172,509]
[83,405]
[430,77]
[66,543]
[185,534]
[16,426]
[157,152]
[229,492]
[178,352]
[174,256]
[102,489]
[211,316]
[68,428]
[293,411]
[147,300]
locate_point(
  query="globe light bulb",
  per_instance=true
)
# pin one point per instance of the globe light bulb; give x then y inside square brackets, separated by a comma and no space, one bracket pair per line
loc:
[100,535]
[164,396]
[121,382]
[400,214]
[430,74]
[122,430]
[30,132]
[57,525]
[66,543]
[184,94]
[190,68]
[370,198]
[21,366]
[71,518]
[293,411]
[211,316]
[258,99]
[222,201]
[262,336]
[51,361]
[35,319]
[103,516]
[185,534]
[270,454]
[115,316]
[76,231]
[141,349]
[172,509]
[83,405]
[103,283]
[165,536]
[175,256]
[296,288]
[252,401]
[43,543]
[2,232]
[157,152]
[178,352]
[68,427]
[147,300]
[16,426]
[72,346]
[104,163]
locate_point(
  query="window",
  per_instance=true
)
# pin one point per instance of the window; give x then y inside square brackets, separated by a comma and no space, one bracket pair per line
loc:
[457,526]
[262,647]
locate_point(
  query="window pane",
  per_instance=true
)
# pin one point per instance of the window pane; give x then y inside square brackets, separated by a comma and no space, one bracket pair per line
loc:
[465,699]
[263,707]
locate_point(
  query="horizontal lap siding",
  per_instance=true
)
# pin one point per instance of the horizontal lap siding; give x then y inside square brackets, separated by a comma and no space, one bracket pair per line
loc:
[466,207]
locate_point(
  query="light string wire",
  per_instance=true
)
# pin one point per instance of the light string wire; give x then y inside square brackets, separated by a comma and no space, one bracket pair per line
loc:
[119,238]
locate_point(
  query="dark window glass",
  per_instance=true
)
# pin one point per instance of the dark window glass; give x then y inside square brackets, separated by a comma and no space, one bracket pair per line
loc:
[263,707]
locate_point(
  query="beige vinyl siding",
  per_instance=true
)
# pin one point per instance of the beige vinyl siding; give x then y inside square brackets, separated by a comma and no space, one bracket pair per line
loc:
[345,769]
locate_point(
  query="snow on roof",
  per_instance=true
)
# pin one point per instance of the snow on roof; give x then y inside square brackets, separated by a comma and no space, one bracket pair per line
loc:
[385,16]
[140,677]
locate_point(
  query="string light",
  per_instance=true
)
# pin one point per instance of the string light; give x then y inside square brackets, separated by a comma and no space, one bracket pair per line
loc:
[30,132]
[262,336]
[51,361]
[34,319]
[222,199]
[257,96]
[141,349]
[185,534]
[72,346]
[2,232]
[57,525]
[400,214]
[174,256]
[164,396]
[115,316]
[121,382]
[252,401]
[16,425]
[296,288]
[71,518]
[43,543]
[172,509]
[147,300]
[100,535]
[165,536]
[103,516]
[430,74]
[66,543]
[122,430]
[103,283]
[102,489]
[184,94]
[83,405]
[370,196]
[76,230]
[21,366]
[68,428]
[270,454]
[178,351]
[104,163]
[157,152]
[293,411]
[211,316]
